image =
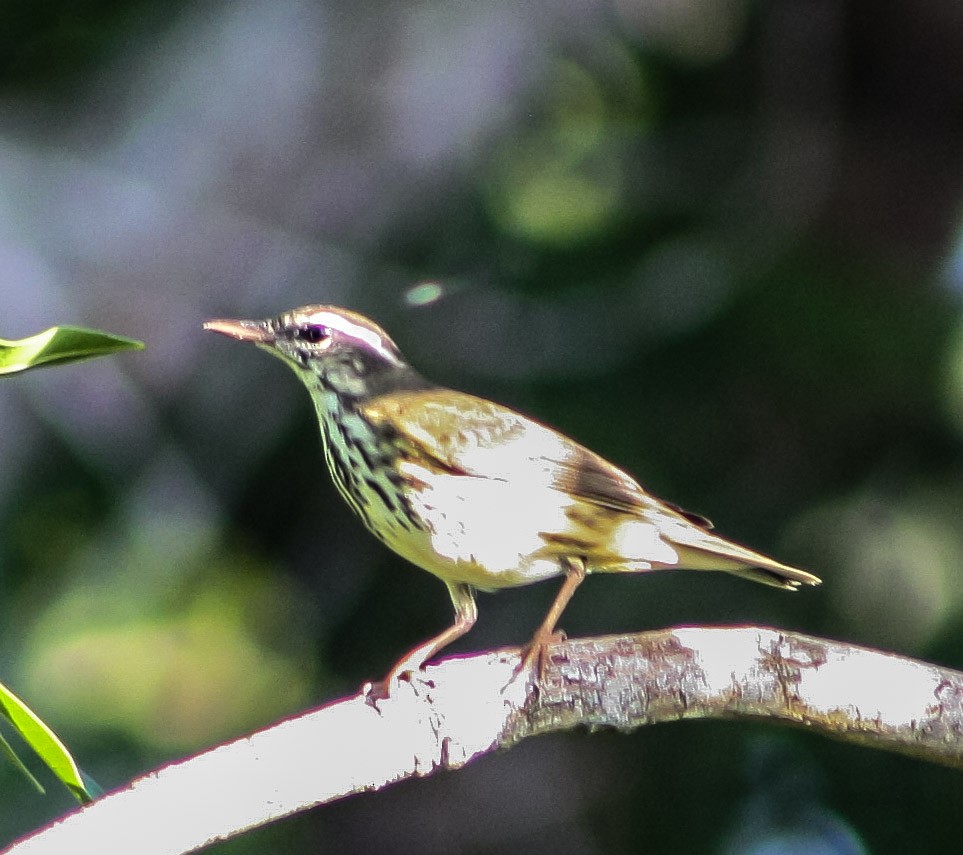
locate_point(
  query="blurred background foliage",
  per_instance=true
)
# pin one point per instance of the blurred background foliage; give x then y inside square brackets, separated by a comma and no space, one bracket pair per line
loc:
[716,241]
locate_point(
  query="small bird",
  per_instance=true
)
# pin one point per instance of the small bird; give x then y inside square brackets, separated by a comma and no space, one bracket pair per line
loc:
[472,491]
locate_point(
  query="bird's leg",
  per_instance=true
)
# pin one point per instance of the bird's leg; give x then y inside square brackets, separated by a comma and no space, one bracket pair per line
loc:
[466,613]
[534,653]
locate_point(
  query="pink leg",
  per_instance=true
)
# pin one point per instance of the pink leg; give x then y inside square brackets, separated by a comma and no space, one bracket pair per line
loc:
[534,656]
[466,613]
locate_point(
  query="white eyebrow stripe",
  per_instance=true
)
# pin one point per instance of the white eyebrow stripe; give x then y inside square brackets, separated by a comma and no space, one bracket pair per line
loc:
[369,337]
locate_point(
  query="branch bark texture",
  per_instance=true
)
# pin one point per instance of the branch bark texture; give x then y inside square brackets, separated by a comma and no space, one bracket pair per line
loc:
[466,707]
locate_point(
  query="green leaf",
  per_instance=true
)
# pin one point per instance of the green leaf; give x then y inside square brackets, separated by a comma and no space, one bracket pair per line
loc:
[59,345]
[45,742]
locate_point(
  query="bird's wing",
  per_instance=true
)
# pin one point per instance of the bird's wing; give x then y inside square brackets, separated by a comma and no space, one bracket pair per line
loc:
[472,436]
[463,435]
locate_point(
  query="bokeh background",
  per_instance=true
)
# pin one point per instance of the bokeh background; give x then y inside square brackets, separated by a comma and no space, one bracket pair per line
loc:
[716,240]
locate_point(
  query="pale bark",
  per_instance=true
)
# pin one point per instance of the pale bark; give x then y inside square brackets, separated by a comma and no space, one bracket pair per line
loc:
[466,707]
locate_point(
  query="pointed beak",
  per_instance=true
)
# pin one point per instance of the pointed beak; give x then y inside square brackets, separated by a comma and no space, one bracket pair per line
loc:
[256,331]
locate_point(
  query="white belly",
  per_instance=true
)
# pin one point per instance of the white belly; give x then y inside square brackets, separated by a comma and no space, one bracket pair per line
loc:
[489,533]
[483,531]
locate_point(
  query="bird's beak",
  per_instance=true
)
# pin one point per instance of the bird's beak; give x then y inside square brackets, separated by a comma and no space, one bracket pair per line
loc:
[256,331]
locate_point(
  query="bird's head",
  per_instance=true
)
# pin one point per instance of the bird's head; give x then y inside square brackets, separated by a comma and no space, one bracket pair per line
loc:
[331,349]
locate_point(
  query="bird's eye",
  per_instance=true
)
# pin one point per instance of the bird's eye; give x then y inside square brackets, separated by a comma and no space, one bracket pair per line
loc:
[311,333]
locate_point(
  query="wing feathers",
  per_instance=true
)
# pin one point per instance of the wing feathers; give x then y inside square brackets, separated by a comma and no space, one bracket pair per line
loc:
[460,434]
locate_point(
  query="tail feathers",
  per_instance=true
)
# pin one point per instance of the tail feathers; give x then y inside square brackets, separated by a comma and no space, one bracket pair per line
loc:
[739,561]
[787,578]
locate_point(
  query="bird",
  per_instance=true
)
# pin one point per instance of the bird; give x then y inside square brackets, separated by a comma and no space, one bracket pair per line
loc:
[477,494]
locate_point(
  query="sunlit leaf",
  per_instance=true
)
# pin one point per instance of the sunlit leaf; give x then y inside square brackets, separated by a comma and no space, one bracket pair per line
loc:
[59,345]
[45,742]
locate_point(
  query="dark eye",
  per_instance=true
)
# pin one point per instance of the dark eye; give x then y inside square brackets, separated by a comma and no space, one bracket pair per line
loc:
[311,334]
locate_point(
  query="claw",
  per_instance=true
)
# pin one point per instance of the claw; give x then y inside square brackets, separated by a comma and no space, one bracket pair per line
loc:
[381,689]
[535,655]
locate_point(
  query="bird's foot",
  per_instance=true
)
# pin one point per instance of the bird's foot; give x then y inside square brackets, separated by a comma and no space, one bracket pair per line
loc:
[375,692]
[535,656]
[381,690]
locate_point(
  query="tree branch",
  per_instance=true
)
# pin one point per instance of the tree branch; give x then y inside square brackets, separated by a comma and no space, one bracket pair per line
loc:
[466,707]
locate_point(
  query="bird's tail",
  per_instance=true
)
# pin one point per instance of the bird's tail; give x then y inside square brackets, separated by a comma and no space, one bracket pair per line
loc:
[714,553]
